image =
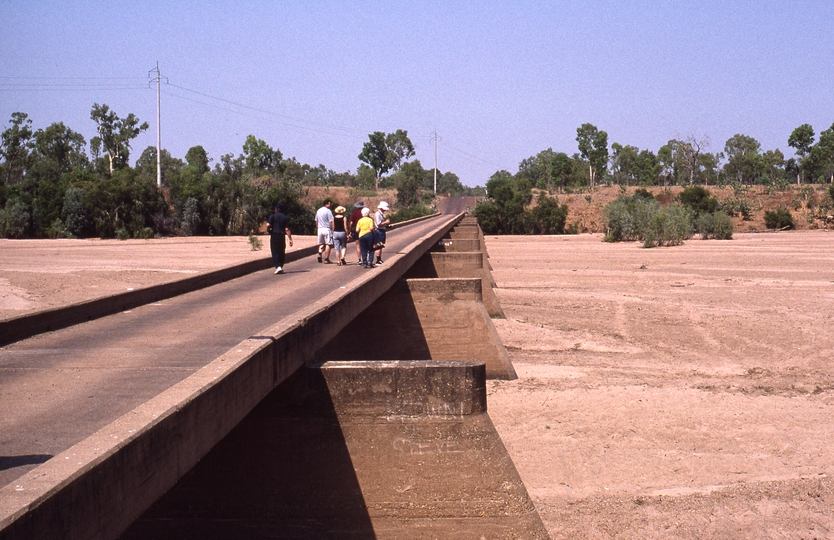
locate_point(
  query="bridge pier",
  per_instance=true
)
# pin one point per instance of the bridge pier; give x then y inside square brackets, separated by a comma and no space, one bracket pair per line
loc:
[358,449]
[425,319]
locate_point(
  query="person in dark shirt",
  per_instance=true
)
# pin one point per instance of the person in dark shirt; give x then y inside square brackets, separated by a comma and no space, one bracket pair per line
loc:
[355,216]
[278,227]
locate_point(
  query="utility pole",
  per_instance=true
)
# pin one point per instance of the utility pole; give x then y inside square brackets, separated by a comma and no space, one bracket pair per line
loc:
[158,80]
[434,138]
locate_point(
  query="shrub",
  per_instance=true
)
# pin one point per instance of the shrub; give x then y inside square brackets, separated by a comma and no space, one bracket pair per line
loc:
[738,207]
[627,218]
[143,233]
[831,192]
[548,217]
[58,230]
[698,200]
[14,220]
[412,212]
[704,225]
[74,212]
[668,227]
[722,226]
[718,226]
[255,242]
[780,218]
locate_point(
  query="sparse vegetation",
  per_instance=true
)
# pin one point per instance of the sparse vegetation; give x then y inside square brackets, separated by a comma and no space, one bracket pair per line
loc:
[255,242]
[780,218]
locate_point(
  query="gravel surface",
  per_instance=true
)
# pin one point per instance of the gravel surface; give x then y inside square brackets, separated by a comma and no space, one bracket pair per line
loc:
[681,392]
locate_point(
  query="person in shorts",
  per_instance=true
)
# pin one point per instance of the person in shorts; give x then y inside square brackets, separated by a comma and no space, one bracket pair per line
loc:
[381,223]
[324,225]
[340,228]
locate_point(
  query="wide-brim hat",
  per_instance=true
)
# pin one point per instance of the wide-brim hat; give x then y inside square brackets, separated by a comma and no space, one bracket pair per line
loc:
[383,205]
[340,209]
[359,204]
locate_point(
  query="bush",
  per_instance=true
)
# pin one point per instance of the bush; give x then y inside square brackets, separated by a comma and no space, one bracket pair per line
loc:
[548,217]
[668,227]
[831,192]
[58,230]
[627,218]
[738,207]
[412,212]
[780,218]
[704,225]
[14,220]
[722,226]
[698,200]
[718,226]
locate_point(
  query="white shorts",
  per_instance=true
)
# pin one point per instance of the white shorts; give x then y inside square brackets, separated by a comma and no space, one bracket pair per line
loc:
[325,237]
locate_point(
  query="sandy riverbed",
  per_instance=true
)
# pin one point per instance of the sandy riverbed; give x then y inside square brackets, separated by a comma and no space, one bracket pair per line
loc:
[681,392]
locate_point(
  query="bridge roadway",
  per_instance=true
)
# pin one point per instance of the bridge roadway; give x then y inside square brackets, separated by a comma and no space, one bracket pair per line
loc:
[60,387]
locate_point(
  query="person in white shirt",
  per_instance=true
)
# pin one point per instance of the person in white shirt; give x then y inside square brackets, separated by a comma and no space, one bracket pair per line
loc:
[324,223]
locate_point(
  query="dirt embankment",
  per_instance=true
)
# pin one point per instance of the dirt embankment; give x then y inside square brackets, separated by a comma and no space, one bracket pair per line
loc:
[810,205]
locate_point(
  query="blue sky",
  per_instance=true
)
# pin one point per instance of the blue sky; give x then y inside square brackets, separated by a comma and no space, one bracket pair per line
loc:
[498,81]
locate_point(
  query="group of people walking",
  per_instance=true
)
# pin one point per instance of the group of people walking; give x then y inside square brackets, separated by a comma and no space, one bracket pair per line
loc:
[334,231]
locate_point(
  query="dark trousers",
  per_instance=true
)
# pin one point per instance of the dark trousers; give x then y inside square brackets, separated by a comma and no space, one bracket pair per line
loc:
[278,246]
[366,245]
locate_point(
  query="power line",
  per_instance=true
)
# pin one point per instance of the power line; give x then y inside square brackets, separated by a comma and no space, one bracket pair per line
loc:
[256,109]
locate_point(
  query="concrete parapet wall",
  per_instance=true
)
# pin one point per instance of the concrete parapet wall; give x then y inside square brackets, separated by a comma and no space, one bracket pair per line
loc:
[54,319]
[48,320]
[99,486]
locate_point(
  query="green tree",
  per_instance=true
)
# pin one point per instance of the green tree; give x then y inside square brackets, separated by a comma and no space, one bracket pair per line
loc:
[774,164]
[802,138]
[114,135]
[624,168]
[375,154]
[384,153]
[400,148]
[146,165]
[59,149]
[822,155]
[593,147]
[744,162]
[408,181]
[197,158]
[15,143]
[561,170]
[260,157]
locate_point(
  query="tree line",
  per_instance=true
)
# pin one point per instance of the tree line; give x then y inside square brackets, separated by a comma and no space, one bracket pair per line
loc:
[51,186]
[681,162]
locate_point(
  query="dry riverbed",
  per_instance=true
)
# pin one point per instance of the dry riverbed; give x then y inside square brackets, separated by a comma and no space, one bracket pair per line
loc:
[681,392]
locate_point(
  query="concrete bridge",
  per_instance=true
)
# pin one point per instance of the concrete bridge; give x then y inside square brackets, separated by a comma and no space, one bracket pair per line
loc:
[358,412]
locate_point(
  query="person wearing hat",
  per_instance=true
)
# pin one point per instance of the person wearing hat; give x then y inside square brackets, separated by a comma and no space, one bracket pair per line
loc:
[355,216]
[278,227]
[381,223]
[340,235]
[365,230]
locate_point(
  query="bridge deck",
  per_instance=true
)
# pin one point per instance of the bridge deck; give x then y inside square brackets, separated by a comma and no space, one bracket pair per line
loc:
[60,387]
